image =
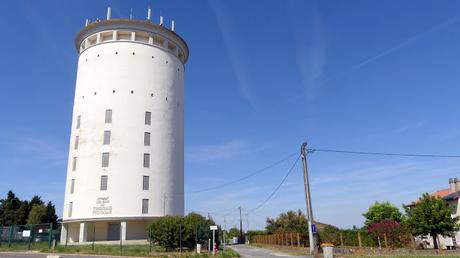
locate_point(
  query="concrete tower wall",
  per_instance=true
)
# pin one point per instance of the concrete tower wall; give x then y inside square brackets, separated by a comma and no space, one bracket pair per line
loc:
[130,68]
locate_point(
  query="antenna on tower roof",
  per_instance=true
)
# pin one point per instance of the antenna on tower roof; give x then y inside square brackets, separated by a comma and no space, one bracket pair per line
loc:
[109,12]
[161,20]
[172,25]
[149,13]
[131,14]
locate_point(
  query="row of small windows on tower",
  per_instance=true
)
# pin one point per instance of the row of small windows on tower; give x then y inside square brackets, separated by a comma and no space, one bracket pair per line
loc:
[107,133]
[104,183]
[105,161]
[108,117]
[144,208]
[106,139]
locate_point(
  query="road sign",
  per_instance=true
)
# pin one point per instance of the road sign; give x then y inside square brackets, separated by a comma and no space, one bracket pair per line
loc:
[313,228]
[26,233]
[213,227]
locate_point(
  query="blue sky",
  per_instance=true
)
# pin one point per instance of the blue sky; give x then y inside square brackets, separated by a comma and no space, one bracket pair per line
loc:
[262,78]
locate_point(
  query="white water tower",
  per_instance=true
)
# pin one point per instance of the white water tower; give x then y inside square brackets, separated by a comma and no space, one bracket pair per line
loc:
[126,157]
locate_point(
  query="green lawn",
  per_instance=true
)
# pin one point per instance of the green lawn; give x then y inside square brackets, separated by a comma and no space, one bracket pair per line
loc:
[135,250]
[127,250]
[21,246]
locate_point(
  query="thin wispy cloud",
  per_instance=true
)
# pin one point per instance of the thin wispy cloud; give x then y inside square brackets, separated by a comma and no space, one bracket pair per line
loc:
[392,49]
[448,134]
[311,51]
[209,153]
[400,130]
[45,150]
[314,78]
[235,55]
[42,149]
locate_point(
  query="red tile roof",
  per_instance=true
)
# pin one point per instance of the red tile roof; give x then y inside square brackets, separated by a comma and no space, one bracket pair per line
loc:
[441,193]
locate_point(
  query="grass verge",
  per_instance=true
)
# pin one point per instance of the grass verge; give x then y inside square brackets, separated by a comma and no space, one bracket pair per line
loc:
[114,250]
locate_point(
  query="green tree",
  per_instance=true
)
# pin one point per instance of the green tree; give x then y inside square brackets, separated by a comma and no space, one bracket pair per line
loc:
[290,221]
[51,216]
[196,230]
[36,200]
[233,232]
[165,231]
[37,214]
[23,213]
[13,210]
[330,234]
[382,211]
[431,215]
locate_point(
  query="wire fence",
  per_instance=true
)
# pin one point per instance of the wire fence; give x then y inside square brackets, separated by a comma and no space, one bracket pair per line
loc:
[36,236]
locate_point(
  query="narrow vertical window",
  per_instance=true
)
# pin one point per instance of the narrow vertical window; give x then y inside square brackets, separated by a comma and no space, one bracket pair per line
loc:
[74,164]
[76,142]
[148,118]
[146,160]
[105,159]
[78,121]
[106,137]
[108,116]
[145,183]
[145,206]
[70,209]
[72,186]
[104,183]
[146,139]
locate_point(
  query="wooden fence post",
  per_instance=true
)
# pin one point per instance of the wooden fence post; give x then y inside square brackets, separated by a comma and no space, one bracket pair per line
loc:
[359,239]
[385,239]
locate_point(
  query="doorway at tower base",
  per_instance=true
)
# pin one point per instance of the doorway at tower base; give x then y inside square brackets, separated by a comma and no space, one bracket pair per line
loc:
[105,232]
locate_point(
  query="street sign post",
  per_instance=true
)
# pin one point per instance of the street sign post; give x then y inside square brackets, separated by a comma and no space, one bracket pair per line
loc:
[213,228]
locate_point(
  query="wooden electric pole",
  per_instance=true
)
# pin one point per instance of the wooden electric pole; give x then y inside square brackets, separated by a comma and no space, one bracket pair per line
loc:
[303,153]
[241,228]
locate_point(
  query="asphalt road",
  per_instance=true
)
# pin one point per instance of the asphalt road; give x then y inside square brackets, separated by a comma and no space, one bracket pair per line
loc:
[250,251]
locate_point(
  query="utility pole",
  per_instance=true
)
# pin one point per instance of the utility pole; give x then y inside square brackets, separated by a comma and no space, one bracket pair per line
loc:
[303,153]
[164,204]
[247,222]
[225,233]
[241,227]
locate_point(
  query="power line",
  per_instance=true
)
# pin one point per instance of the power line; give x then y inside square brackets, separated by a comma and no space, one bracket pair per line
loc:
[384,153]
[216,212]
[247,176]
[278,187]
